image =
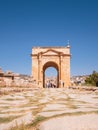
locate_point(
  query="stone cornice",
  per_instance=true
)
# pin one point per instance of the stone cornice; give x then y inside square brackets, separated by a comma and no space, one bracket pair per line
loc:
[49,47]
[51,55]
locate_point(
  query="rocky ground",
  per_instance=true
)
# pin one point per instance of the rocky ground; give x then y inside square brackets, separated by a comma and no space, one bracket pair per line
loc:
[50,109]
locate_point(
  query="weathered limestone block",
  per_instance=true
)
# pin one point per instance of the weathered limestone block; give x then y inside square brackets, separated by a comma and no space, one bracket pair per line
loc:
[2,82]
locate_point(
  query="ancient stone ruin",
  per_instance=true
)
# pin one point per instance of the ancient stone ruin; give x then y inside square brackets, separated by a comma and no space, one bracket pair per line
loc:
[10,79]
[57,57]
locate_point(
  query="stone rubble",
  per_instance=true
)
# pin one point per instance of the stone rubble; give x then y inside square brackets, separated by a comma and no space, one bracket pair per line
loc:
[10,79]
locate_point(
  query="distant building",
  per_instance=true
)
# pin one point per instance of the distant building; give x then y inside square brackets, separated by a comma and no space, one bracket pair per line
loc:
[78,80]
[10,79]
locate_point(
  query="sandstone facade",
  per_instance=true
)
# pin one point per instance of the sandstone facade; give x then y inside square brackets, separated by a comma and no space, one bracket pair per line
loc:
[57,57]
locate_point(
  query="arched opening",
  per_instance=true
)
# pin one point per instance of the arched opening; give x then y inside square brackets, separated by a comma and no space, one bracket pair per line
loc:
[50,75]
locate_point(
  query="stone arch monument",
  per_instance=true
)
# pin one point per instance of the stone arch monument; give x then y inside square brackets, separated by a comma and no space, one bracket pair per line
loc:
[57,57]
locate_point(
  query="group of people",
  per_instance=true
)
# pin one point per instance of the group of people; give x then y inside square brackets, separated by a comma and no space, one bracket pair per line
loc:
[50,85]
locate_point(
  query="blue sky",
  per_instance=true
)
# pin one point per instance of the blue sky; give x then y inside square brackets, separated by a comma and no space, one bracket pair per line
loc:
[28,23]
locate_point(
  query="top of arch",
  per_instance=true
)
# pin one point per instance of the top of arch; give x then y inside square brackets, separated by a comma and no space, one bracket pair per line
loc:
[51,50]
[44,47]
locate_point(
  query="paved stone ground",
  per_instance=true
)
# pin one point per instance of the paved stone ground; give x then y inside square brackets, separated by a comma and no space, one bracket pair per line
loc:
[25,106]
[80,122]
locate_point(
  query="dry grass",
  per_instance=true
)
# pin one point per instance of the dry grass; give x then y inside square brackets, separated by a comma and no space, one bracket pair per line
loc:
[8,119]
[36,98]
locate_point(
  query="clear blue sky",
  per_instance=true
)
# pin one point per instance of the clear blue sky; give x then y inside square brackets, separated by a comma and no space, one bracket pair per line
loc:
[28,23]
